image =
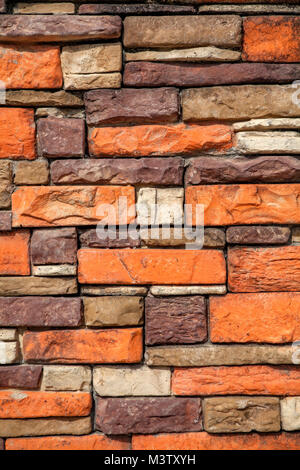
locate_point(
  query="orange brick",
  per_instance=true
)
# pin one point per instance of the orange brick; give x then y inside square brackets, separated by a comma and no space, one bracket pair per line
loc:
[23,404]
[267,317]
[272,39]
[84,346]
[146,266]
[246,203]
[17,133]
[264,269]
[90,442]
[140,141]
[14,253]
[30,67]
[204,441]
[46,206]
[243,380]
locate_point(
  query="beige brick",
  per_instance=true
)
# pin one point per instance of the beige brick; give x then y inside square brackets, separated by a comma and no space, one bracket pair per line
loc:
[44,427]
[113,311]
[67,378]
[44,8]
[9,352]
[32,173]
[160,206]
[5,184]
[290,413]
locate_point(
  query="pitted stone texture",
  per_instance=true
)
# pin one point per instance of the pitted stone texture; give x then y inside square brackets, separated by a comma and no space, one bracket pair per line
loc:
[55,270]
[61,137]
[148,415]
[160,206]
[27,377]
[129,105]
[258,235]
[5,184]
[67,378]
[268,142]
[17,133]
[44,8]
[137,9]
[290,413]
[31,173]
[9,352]
[121,238]
[5,221]
[54,246]
[175,320]
[160,291]
[241,414]
[113,290]
[27,285]
[60,113]
[8,334]
[267,124]
[42,98]
[116,381]
[14,253]
[213,237]
[45,427]
[113,311]
[194,54]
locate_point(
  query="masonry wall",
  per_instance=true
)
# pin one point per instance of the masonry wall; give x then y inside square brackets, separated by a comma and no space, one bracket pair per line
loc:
[140,342]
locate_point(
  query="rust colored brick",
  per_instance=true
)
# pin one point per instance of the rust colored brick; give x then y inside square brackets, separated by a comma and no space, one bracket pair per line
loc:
[14,253]
[17,133]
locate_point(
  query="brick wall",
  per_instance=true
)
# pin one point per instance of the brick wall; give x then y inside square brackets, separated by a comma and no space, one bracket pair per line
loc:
[137,342]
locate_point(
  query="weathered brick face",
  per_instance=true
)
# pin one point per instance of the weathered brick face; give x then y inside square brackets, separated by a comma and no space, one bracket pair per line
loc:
[114,116]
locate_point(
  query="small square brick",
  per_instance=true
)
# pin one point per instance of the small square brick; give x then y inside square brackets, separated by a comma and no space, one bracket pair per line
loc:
[61,137]
[54,246]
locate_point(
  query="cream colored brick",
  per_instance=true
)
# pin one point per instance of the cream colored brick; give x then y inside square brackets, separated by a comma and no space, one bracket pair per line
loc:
[67,378]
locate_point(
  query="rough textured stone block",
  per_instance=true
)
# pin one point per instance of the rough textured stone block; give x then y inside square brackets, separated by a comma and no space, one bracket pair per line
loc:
[267,124]
[268,142]
[290,413]
[46,206]
[272,39]
[258,235]
[213,237]
[30,67]
[114,290]
[156,171]
[161,74]
[14,253]
[84,346]
[27,377]
[251,380]
[146,266]
[131,106]
[193,54]
[264,269]
[5,184]
[147,415]
[8,334]
[54,246]
[156,206]
[44,427]
[60,137]
[41,28]
[239,102]
[139,141]
[136,9]
[17,133]
[245,204]
[113,311]
[9,352]
[252,9]
[241,414]
[35,172]
[175,320]
[20,404]
[60,112]
[116,381]
[45,8]
[186,290]
[40,311]
[5,221]
[37,286]
[166,31]
[121,238]
[67,378]
[42,98]
[55,270]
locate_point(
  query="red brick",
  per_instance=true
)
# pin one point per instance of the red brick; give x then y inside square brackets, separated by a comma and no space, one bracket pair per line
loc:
[14,253]
[17,133]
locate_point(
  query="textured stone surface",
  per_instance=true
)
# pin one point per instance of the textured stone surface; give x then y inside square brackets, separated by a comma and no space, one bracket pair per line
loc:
[94,80]
[20,404]
[44,8]
[113,290]
[245,204]
[146,266]
[272,39]
[239,102]
[268,142]
[264,269]
[17,133]
[157,206]
[175,320]
[156,171]
[9,352]
[37,286]
[166,31]
[5,221]
[186,290]
[255,318]
[14,253]
[54,246]
[60,112]
[113,311]
[162,74]
[147,415]
[258,235]
[30,67]
[84,346]
[60,137]
[211,355]
[194,54]
[35,172]
[42,98]
[44,427]
[55,270]
[8,334]
[46,206]
[139,141]
[67,378]
[267,124]
[122,238]
[5,184]
[213,237]
[131,106]
[290,413]
[119,381]
[27,377]
[240,414]
[251,380]
[251,9]
[40,28]
[273,169]
[40,311]
[136,9]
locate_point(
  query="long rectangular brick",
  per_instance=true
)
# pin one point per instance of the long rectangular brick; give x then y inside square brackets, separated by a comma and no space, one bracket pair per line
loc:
[156,140]
[30,285]
[14,253]
[146,266]
[30,67]
[242,380]
[44,427]
[246,204]
[205,441]
[84,346]
[258,318]
[264,269]
[21,404]
[272,39]
[27,377]
[17,133]
[46,206]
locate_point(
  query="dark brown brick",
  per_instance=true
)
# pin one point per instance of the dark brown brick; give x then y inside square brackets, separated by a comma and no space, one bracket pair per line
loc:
[257,235]
[136,9]
[54,246]
[90,239]
[61,137]
[5,221]
[27,377]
